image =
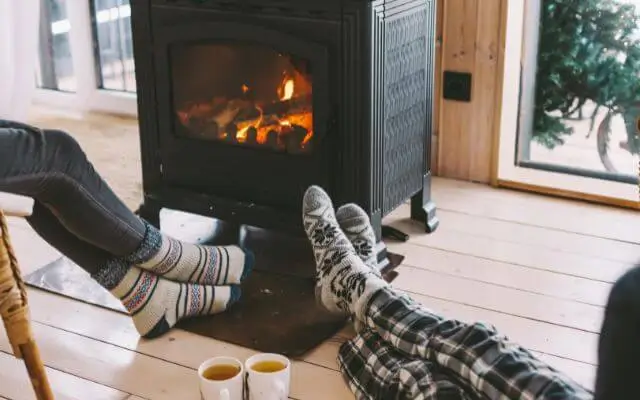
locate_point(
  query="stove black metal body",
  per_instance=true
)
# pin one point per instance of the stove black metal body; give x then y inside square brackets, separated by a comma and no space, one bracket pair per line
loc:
[243,104]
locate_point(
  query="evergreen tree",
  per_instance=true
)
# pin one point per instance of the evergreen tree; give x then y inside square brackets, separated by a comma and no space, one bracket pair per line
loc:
[587,52]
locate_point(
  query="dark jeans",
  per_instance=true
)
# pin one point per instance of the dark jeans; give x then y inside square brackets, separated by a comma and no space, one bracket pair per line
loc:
[75,210]
[619,347]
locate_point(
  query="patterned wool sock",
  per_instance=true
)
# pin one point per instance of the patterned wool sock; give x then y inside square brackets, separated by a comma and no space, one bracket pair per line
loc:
[355,223]
[186,262]
[157,304]
[344,283]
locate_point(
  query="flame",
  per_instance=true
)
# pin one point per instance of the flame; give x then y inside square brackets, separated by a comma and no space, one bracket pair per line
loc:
[283,124]
[241,136]
[287,89]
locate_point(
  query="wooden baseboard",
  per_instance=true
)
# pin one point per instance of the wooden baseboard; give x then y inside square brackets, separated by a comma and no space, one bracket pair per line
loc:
[591,198]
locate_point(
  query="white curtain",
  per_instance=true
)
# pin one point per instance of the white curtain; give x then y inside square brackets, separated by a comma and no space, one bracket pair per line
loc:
[19,27]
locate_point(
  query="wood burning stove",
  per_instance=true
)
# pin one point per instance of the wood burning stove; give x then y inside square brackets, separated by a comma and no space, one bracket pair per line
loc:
[245,103]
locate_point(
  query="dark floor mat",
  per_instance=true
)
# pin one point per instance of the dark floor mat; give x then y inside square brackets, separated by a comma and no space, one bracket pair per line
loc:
[277,312]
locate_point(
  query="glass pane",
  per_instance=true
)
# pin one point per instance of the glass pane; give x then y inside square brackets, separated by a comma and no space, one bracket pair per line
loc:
[586,94]
[243,94]
[55,70]
[112,30]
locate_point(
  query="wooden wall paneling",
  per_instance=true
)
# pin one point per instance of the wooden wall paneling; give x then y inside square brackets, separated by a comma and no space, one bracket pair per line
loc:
[485,72]
[471,33]
[458,48]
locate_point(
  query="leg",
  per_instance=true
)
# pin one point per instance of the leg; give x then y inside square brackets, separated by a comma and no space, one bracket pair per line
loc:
[422,207]
[486,362]
[155,303]
[474,355]
[84,254]
[51,167]
[619,348]
[376,370]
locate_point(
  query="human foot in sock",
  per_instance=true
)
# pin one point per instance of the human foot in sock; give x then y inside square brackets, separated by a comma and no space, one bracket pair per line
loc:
[356,224]
[186,262]
[157,304]
[344,282]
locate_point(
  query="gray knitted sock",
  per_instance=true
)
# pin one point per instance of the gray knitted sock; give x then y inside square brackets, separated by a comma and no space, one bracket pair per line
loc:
[186,262]
[355,223]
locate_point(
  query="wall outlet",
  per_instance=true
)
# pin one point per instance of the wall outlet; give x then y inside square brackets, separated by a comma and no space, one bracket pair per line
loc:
[456,86]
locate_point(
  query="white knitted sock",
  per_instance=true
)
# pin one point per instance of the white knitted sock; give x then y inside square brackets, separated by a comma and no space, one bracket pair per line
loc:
[157,304]
[344,282]
[355,223]
[187,262]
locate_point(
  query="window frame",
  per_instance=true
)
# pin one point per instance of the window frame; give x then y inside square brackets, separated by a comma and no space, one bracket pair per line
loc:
[516,85]
[88,97]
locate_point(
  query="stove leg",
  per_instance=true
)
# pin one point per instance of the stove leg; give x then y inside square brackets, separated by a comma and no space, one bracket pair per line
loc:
[149,210]
[383,260]
[423,209]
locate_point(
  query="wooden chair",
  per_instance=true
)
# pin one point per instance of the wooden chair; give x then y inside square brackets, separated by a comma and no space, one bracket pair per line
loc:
[13,303]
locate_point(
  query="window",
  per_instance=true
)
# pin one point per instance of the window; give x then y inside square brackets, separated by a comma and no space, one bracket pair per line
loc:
[55,69]
[114,45]
[86,56]
[571,99]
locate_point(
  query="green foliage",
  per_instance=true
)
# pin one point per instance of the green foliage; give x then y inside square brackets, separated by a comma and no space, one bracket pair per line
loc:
[587,52]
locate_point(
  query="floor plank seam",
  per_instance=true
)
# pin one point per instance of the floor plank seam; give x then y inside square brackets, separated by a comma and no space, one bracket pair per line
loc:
[35,321]
[124,392]
[564,357]
[534,245]
[501,312]
[414,243]
[538,226]
[487,282]
[153,356]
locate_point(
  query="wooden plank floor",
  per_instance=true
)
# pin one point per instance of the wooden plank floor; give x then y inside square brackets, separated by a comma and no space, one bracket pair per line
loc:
[539,269]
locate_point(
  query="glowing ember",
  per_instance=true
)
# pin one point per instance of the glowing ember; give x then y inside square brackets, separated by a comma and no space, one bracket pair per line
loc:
[284,124]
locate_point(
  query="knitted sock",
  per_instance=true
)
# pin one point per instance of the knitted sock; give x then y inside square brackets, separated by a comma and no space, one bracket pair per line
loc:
[355,223]
[344,282]
[186,262]
[157,304]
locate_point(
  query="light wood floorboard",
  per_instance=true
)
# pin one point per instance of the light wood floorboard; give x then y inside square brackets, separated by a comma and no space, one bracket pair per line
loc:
[15,384]
[538,269]
[541,211]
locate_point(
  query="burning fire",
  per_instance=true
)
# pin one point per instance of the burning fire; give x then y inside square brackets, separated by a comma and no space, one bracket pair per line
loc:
[287,89]
[282,124]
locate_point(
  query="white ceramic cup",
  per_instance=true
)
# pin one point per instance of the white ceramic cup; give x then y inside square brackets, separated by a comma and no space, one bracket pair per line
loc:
[229,389]
[268,385]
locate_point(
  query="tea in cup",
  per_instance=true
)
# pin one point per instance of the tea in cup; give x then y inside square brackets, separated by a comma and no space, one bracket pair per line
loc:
[221,378]
[268,377]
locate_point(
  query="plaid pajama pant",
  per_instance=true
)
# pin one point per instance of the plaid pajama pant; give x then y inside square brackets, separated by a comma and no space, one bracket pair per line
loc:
[407,352]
